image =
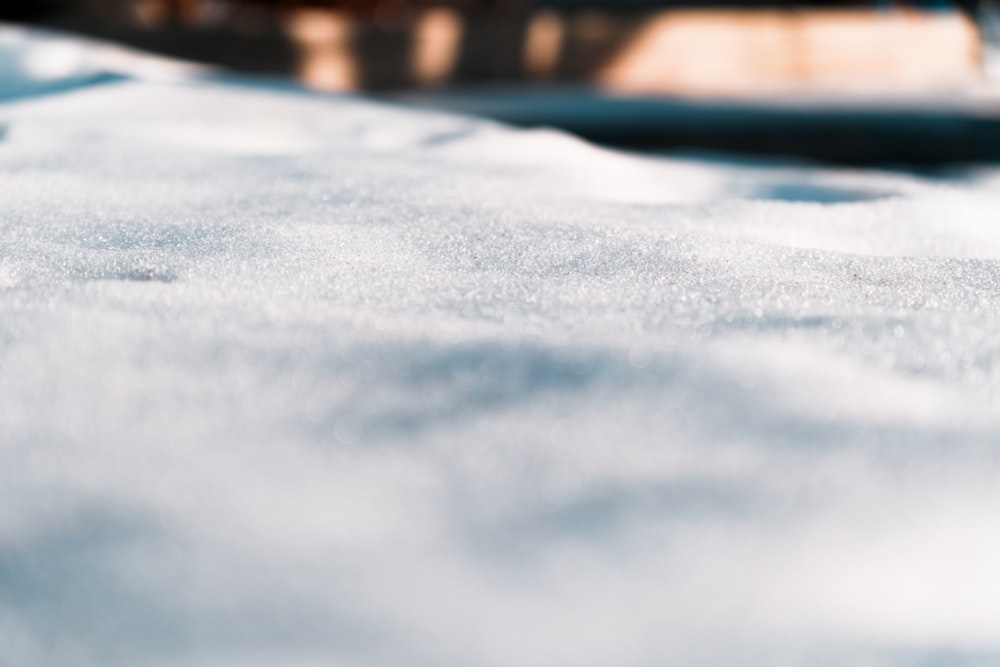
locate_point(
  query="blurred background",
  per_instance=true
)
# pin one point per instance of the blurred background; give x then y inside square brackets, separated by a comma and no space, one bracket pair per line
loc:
[845,81]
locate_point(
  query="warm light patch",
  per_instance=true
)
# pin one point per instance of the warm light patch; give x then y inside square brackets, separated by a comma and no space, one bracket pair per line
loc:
[437,37]
[702,52]
[148,13]
[543,44]
[740,53]
[855,50]
[324,42]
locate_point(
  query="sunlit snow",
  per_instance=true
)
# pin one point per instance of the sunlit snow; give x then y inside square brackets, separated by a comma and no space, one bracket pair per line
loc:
[290,379]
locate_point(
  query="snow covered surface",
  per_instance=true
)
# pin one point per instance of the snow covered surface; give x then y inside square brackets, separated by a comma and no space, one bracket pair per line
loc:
[299,380]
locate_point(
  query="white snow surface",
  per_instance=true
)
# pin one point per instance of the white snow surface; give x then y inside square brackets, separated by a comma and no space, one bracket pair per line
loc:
[299,380]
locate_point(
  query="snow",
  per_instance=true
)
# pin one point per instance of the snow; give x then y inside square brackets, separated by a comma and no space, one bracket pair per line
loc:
[310,380]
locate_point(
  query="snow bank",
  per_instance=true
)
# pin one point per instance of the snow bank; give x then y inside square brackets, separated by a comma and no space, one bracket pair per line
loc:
[37,62]
[302,380]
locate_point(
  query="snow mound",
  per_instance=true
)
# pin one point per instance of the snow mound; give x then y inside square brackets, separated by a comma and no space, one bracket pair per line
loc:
[34,62]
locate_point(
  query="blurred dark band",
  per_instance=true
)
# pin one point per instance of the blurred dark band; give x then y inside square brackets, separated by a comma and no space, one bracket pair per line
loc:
[41,10]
